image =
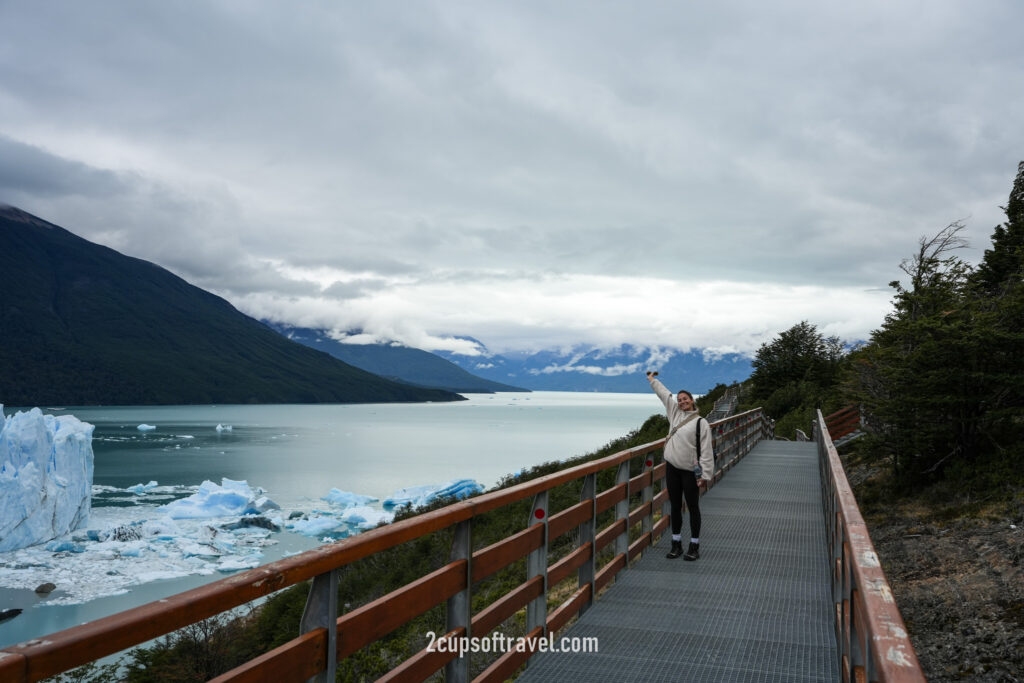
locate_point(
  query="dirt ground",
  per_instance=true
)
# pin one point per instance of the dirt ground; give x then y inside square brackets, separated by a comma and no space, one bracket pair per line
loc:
[957,579]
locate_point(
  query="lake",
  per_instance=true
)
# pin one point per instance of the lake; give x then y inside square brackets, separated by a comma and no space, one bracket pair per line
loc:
[296,454]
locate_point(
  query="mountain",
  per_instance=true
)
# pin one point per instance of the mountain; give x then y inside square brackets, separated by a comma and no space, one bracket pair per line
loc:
[621,369]
[81,324]
[400,363]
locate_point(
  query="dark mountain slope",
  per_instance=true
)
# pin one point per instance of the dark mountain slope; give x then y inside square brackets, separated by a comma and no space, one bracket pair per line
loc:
[81,324]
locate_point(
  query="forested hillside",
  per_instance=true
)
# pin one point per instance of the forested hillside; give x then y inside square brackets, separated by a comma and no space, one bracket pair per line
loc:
[82,324]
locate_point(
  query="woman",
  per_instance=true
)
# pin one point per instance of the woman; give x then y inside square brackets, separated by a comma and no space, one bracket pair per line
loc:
[681,459]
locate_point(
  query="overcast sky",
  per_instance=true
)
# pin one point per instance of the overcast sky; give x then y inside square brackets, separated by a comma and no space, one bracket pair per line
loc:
[531,174]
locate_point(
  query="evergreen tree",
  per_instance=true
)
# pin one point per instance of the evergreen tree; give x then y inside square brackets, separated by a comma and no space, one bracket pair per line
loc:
[941,383]
[793,375]
[998,303]
[913,380]
[799,354]
[1002,263]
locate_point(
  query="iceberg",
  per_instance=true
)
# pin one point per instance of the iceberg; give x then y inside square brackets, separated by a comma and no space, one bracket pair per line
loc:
[314,526]
[46,469]
[365,517]
[428,493]
[346,499]
[230,498]
[142,488]
[146,427]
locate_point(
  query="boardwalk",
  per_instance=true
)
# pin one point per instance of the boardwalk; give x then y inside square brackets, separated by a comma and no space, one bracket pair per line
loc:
[755,607]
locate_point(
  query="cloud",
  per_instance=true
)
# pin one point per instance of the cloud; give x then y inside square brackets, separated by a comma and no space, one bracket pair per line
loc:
[30,171]
[523,174]
[562,311]
[611,371]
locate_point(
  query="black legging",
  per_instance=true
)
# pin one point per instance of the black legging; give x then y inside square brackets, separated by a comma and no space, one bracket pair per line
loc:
[683,483]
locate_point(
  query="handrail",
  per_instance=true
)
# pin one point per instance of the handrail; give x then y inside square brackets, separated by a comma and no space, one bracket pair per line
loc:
[842,422]
[870,635]
[328,636]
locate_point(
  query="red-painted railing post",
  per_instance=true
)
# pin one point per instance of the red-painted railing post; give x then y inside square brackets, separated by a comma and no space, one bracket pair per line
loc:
[537,565]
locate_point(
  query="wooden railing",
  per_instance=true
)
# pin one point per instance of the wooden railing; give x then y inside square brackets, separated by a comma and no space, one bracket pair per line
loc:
[871,637]
[842,422]
[326,637]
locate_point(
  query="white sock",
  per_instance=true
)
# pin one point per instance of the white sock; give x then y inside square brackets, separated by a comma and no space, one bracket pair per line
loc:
[695,540]
[677,537]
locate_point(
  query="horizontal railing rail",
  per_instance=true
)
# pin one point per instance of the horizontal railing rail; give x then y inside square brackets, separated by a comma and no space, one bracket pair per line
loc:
[871,638]
[842,422]
[328,637]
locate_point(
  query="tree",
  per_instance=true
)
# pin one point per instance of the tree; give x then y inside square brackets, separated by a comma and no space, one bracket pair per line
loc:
[799,354]
[794,375]
[913,379]
[1002,263]
[940,382]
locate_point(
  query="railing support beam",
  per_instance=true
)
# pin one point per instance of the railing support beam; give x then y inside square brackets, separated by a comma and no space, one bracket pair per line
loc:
[459,613]
[647,496]
[622,512]
[587,534]
[537,565]
[322,612]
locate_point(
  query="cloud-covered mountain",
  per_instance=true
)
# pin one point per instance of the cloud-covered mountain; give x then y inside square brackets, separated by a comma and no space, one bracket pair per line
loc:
[397,362]
[620,369]
[82,324]
[582,368]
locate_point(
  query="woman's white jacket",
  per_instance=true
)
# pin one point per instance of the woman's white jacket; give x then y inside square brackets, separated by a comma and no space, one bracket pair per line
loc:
[681,447]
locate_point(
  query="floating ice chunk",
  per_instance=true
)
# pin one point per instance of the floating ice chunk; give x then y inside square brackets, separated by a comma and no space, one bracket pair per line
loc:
[131,548]
[364,517]
[426,494]
[347,499]
[46,468]
[146,428]
[230,498]
[236,562]
[314,526]
[65,546]
[162,528]
[223,428]
[142,488]
[262,504]
[254,521]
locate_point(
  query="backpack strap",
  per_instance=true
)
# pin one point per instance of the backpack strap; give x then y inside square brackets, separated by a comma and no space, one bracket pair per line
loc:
[698,439]
[672,432]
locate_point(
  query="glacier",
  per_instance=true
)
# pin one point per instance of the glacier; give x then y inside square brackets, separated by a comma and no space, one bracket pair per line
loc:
[111,539]
[46,470]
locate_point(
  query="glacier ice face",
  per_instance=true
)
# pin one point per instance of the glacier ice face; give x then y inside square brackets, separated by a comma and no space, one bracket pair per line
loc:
[46,469]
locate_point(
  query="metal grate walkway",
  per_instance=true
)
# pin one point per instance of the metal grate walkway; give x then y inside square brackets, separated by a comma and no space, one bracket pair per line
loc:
[755,607]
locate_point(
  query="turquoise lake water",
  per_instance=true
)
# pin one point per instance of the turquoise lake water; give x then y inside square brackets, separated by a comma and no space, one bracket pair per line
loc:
[297,453]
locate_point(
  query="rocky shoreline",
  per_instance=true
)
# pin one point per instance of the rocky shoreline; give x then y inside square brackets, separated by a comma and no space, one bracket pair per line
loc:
[955,568]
